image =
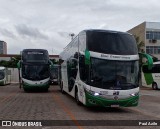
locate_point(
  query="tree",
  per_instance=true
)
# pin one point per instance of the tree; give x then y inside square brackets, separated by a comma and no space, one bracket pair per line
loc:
[140,44]
[11,63]
[54,61]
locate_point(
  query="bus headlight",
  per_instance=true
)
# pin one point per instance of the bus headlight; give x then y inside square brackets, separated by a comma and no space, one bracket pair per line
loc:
[134,94]
[96,94]
[92,92]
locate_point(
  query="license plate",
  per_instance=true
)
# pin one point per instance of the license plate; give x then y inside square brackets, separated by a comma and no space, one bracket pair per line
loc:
[114,105]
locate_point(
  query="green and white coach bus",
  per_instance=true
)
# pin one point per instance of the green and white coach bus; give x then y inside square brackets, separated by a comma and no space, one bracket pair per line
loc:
[5,76]
[101,68]
[151,77]
[34,69]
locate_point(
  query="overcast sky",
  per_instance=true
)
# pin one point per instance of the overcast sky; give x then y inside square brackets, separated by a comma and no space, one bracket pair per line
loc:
[48,23]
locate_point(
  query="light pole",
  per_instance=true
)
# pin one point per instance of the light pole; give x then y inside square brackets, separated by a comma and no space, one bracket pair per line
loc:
[72,35]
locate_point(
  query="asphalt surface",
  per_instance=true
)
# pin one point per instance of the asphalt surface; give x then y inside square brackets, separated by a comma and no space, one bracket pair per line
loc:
[61,111]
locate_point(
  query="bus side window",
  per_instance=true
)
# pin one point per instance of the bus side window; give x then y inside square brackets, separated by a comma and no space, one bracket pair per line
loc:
[82,67]
[74,69]
[76,55]
[156,68]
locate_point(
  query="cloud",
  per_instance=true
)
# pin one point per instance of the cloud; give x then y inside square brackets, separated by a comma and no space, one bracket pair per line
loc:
[30,32]
[7,33]
[48,23]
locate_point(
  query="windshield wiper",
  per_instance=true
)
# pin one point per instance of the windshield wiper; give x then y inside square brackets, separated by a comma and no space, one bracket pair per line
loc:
[109,81]
[126,83]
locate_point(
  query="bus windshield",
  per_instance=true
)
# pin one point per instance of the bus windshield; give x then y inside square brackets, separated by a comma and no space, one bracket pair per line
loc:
[1,74]
[119,75]
[112,43]
[54,72]
[35,72]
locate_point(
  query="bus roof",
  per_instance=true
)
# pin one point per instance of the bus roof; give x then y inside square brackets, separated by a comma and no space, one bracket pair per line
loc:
[34,50]
[101,30]
[158,62]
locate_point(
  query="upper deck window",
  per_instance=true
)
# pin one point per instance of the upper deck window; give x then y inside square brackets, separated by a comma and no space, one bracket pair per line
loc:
[112,43]
[35,56]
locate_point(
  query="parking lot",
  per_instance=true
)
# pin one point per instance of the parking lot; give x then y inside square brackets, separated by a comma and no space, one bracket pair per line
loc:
[15,104]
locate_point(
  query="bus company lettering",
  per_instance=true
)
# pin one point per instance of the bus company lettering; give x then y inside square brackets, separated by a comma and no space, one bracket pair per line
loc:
[115,57]
[103,55]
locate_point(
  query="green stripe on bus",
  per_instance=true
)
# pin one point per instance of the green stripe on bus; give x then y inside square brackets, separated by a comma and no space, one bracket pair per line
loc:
[2,83]
[148,78]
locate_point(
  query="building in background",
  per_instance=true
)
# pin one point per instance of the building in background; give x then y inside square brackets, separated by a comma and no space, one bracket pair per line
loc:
[3,47]
[149,34]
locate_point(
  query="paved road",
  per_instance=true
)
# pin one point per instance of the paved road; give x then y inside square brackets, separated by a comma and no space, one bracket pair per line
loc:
[15,104]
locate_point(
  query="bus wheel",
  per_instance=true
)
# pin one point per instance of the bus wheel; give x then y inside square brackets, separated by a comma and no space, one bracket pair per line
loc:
[154,86]
[76,97]
[46,90]
[25,90]
[61,87]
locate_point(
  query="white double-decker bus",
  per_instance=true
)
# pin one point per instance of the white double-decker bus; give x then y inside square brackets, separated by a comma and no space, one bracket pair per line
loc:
[101,68]
[5,76]
[34,69]
[151,77]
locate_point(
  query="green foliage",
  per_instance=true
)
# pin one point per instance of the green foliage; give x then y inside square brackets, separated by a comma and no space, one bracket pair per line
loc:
[54,61]
[14,60]
[140,44]
[11,63]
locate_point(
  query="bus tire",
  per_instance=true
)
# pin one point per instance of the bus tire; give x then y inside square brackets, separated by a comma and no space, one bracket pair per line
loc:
[46,90]
[154,86]
[61,87]
[76,96]
[26,90]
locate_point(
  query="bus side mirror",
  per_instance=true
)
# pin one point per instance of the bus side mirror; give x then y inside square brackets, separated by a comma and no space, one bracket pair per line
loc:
[19,64]
[87,57]
[149,59]
[145,69]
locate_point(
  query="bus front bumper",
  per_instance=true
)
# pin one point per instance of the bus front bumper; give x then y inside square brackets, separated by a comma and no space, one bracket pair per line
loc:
[92,100]
[28,86]
[2,83]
